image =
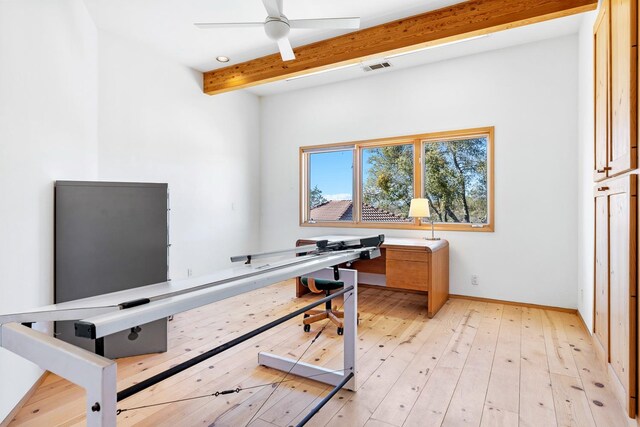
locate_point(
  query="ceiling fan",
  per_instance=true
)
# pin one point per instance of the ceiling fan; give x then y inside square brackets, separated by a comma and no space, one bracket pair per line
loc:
[277,26]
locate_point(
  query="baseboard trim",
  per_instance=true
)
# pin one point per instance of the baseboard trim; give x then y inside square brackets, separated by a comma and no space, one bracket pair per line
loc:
[24,400]
[584,324]
[409,291]
[521,304]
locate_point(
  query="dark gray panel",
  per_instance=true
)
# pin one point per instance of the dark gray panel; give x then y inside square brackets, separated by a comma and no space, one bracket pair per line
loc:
[151,339]
[110,237]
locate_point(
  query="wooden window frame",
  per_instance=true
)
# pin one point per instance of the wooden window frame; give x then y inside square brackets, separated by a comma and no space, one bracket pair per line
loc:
[418,179]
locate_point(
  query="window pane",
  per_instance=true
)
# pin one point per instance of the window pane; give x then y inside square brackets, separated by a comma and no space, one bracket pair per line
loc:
[331,186]
[455,180]
[387,183]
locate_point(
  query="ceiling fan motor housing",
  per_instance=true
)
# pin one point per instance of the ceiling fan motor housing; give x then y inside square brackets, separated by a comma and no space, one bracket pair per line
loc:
[276,28]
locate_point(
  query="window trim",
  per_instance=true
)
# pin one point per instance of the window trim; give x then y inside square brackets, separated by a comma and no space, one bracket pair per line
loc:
[417,140]
[305,179]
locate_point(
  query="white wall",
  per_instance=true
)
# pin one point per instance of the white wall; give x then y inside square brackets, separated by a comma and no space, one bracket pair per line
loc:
[585,169]
[125,114]
[156,125]
[527,92]
[48,116]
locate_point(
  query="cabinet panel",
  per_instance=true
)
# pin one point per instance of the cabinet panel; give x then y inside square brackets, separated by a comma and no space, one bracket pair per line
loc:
[622,150]
[375,266]
[407,274]
[622,286]
[601,83]
[601,308]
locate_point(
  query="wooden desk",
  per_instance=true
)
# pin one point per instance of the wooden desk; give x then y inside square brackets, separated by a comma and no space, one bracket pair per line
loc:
[406,264]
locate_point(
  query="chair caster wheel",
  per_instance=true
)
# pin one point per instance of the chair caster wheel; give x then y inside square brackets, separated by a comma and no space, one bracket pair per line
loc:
[340,331]
[307,328]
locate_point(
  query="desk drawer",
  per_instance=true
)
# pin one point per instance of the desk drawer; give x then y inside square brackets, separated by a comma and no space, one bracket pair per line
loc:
[407,274]
[399,255]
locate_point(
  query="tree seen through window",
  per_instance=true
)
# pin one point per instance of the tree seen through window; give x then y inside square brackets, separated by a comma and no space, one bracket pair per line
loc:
[387,176]
[455,180]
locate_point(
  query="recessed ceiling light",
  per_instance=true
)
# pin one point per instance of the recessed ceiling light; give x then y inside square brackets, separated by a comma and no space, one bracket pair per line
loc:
[222,58]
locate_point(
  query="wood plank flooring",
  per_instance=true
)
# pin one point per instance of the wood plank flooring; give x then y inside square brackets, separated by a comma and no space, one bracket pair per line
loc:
[474,364]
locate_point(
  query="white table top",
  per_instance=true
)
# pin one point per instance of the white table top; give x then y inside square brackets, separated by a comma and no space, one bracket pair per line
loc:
[431,245]
[107,303]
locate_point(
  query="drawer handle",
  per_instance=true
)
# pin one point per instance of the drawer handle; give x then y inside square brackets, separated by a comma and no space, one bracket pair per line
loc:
[604,169]
[603,188]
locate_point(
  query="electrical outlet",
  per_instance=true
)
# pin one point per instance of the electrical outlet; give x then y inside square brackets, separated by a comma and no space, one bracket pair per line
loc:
[475,280]
[189,272]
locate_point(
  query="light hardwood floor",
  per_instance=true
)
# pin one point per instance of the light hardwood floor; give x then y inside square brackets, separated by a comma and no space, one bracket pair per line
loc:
[475,363]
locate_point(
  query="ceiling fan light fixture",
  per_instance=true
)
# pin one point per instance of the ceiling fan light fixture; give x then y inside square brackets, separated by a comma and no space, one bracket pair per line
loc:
[277,26]
[222,58]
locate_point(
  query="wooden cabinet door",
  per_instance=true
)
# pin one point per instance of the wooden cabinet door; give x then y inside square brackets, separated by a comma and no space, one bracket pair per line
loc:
[408,275]
[622,150]
[621,195]
[601,42]
[408,269]
[601,274]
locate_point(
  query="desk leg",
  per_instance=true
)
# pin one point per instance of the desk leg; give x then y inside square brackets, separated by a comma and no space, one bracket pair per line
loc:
[300,288]
[350,338]
[439,289]
[95,374]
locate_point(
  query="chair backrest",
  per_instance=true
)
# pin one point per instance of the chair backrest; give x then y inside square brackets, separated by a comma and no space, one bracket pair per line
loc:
[321,285]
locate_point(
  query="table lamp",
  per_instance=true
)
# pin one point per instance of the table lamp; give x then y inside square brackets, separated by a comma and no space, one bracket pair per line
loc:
[419,208]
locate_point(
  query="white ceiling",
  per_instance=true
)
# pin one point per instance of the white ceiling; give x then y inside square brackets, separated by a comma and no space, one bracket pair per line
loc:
[167,27]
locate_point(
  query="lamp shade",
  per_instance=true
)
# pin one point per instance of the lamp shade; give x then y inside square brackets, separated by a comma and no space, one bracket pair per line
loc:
[419,208]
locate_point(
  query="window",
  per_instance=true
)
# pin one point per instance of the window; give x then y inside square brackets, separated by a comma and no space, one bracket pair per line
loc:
[330,194]
[387,183]
[455,179]
[371,183]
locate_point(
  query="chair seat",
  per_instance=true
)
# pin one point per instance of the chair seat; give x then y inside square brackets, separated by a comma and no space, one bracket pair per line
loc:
[324,285]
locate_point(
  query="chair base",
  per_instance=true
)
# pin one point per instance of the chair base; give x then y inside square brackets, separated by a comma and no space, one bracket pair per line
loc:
[335,316]
[313,316]
[331,313]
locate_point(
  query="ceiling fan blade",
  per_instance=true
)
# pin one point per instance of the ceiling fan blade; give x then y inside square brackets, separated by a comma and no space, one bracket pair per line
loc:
[210,25]
[274,7]
[335,23]
[286,52]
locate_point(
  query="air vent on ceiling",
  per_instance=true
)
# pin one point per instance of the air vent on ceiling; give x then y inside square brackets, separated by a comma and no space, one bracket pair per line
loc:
[376,66]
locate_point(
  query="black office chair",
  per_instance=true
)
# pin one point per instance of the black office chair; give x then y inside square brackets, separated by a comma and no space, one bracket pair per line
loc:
[318,286]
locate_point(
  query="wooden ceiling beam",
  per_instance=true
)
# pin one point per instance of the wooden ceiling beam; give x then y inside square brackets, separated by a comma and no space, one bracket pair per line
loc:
[459,21]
